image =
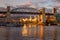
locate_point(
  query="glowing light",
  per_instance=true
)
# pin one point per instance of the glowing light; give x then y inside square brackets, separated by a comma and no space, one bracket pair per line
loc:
[30,19]
[41,16]
[35,19]
[24,20]
[24,30]
[30,25]
[40,31]
[1,14]
[14,20]
[52,18]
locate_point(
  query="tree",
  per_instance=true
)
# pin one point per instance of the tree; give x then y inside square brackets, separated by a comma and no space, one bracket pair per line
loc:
[57,17]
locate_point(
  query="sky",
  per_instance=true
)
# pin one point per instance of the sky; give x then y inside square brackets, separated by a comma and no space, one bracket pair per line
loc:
[32,3]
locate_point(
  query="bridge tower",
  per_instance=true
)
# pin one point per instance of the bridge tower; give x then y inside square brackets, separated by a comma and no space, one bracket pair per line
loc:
[53,10]
[8,13]
[41,16]
[53,16]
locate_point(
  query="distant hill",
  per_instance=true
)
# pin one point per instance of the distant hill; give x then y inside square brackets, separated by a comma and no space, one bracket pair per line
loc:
[57,15]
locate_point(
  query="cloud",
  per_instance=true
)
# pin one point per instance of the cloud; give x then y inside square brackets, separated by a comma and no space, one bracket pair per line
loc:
[56,0]
[25,4]
[33,6]
[57,6]
[33,3]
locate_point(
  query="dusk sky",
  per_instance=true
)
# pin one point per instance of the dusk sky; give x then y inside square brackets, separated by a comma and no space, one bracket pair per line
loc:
[32,3]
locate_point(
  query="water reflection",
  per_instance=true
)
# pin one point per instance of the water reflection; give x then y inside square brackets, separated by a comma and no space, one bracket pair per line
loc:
[32,31]
[40,32]
[29,30]
[24,30]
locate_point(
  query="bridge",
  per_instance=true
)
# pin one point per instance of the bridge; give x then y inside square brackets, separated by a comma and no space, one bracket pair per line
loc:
[41,13]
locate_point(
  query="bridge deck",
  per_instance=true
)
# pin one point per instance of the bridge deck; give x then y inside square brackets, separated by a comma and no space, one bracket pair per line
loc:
[35,13]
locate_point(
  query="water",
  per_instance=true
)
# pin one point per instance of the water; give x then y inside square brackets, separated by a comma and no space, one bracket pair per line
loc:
[30,32]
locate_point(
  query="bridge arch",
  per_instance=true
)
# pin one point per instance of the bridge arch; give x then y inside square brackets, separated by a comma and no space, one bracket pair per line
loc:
[25,9]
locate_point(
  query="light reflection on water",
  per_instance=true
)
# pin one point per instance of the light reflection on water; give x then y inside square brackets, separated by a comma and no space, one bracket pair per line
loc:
[24,30]
[39,31]
[29,30]
[32,31]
